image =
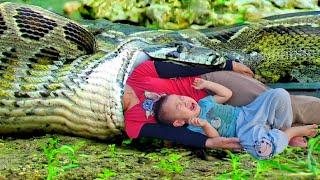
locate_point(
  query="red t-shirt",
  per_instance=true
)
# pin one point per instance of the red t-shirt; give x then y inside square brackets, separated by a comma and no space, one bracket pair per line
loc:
[145,78]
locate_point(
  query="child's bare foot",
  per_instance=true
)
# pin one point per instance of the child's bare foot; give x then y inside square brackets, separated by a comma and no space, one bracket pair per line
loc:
[310,130]
[298,141]
[307,130]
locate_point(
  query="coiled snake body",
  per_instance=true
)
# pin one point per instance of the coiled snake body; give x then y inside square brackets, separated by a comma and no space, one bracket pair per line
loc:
[57,77]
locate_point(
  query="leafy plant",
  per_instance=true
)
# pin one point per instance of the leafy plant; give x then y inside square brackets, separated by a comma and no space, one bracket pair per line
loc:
[261,167]
[278,164]
[220,2]
[112,150]
[106,174]
[313,146]
[235,162]
[171,164]
[52,152]
[237,172]
[126,141]
[153,156]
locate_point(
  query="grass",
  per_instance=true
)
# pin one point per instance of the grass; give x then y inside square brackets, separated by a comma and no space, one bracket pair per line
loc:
[53,152]
[171,164]
[107,173]
[306,164]
[312,161]
[25,159]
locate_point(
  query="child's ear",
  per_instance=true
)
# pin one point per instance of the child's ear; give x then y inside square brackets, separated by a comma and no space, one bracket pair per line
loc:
[178,123]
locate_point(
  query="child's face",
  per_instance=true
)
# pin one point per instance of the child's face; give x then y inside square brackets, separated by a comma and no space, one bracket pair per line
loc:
[181,107]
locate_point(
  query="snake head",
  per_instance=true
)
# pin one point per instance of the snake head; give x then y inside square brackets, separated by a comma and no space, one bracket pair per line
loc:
[251,59]
[185,52]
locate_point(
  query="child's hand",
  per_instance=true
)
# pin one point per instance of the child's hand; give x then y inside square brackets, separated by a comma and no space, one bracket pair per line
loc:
[199,83]
[197,122]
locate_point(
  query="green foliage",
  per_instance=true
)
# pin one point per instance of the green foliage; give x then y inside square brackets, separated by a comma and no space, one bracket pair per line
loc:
[52,5]
[107,173]
[185,1]
[153,156]
[310,73]
[112,154]
[278,164]
[235,162]
[220,2]
[313,163]
[126,141]
[112,150]
[171,164]
[179,14]
[293,162]
[237,172]
[22,161]
[261,167]
[53,153]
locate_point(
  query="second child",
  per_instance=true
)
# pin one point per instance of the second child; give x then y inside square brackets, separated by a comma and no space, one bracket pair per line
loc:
[263,126]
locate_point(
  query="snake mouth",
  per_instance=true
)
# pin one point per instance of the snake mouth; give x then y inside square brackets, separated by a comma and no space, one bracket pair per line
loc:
[214,57]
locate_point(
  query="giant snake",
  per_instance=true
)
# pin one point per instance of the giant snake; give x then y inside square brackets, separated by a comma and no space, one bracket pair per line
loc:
[56,76]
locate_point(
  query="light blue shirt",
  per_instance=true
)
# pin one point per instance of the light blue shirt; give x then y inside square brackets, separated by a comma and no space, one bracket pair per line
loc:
[222,117]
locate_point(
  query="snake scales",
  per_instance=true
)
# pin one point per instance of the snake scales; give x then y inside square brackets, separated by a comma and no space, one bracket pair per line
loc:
[57,77]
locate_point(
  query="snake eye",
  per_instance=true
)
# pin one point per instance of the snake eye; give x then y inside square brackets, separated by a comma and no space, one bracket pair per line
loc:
[180,49]
[176,44]
[173,54]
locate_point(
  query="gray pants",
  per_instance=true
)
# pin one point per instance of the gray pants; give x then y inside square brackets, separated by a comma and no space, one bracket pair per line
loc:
[306,109]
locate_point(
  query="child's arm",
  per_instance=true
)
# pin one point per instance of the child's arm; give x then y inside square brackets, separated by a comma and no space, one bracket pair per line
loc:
[222,93]
[207,128]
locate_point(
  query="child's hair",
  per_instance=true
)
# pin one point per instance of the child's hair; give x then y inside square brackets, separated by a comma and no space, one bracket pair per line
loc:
[159,114]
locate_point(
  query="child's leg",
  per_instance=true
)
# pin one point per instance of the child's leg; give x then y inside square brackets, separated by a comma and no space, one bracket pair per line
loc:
[280,117]
[271,108]
[259,131]
[282,108]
